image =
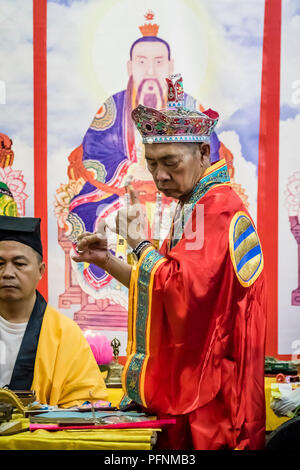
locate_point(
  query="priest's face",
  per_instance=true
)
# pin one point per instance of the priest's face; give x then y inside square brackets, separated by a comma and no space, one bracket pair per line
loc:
[149,67]
[176,168]
[20,271]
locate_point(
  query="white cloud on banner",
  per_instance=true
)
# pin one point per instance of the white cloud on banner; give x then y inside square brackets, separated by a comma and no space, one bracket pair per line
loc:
[240,29]
[16,58]
[245,171]
[16,71]
[290,70]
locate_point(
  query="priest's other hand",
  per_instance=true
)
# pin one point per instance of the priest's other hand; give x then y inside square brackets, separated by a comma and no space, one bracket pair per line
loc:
[130,220]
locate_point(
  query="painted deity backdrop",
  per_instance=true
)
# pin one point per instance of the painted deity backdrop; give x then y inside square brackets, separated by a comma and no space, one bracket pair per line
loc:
[73,70]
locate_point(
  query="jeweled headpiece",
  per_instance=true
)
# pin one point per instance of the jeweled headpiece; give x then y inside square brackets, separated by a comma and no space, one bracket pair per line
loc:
[176,123]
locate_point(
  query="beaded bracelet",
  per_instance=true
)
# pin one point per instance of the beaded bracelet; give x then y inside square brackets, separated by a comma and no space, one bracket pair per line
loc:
[138,249]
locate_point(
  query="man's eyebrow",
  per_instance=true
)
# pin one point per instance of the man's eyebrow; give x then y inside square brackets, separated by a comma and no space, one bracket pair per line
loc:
[165,157]
[16,258]
[145,57]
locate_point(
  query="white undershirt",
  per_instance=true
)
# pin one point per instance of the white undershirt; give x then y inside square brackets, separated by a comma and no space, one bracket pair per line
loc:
[11,335]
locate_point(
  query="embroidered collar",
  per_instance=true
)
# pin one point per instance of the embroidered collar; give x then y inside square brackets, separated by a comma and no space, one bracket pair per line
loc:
[215,174]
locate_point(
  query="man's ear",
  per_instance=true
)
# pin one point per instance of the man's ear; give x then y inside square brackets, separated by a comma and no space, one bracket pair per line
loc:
[42,269]
[129,68]
[205,149]
[171,66]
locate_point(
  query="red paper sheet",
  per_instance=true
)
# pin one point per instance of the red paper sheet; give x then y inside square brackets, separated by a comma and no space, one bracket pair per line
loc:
[141,425]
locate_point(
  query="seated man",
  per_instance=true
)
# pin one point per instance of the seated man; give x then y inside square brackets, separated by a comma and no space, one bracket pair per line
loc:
[40,348]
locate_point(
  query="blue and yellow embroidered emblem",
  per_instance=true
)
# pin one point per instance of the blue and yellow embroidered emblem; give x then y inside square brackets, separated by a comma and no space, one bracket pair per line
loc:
[245,249]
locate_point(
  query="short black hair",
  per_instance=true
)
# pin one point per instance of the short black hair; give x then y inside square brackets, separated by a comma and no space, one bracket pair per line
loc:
[194,145]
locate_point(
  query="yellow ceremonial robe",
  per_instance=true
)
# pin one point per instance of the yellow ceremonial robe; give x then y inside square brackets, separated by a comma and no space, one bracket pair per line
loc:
[65,371]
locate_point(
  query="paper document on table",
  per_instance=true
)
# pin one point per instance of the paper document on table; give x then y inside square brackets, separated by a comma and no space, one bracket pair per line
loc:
[98,417]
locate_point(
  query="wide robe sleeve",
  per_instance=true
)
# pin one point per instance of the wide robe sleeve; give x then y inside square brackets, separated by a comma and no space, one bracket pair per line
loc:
[187,321]
[65,372]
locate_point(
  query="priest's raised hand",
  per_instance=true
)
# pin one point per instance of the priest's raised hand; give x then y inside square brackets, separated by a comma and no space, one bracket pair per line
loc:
[93,248]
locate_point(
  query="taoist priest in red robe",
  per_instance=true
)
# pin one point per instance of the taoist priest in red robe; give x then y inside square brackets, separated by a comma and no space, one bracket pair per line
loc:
[197,314]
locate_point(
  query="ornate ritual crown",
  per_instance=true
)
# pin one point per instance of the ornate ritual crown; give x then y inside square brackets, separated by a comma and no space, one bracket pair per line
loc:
[176,123]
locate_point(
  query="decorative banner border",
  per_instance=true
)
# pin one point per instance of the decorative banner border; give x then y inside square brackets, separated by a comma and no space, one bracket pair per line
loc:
[40,127]
[268,162]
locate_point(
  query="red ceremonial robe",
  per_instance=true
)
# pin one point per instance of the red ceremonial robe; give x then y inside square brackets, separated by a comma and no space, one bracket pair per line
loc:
[197,322]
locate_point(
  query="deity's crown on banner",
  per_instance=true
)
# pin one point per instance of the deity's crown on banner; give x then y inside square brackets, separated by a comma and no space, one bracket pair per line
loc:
[176,123]
[149,29]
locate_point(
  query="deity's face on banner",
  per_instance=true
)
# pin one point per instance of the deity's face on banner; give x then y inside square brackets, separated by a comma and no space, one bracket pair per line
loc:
[149,67]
